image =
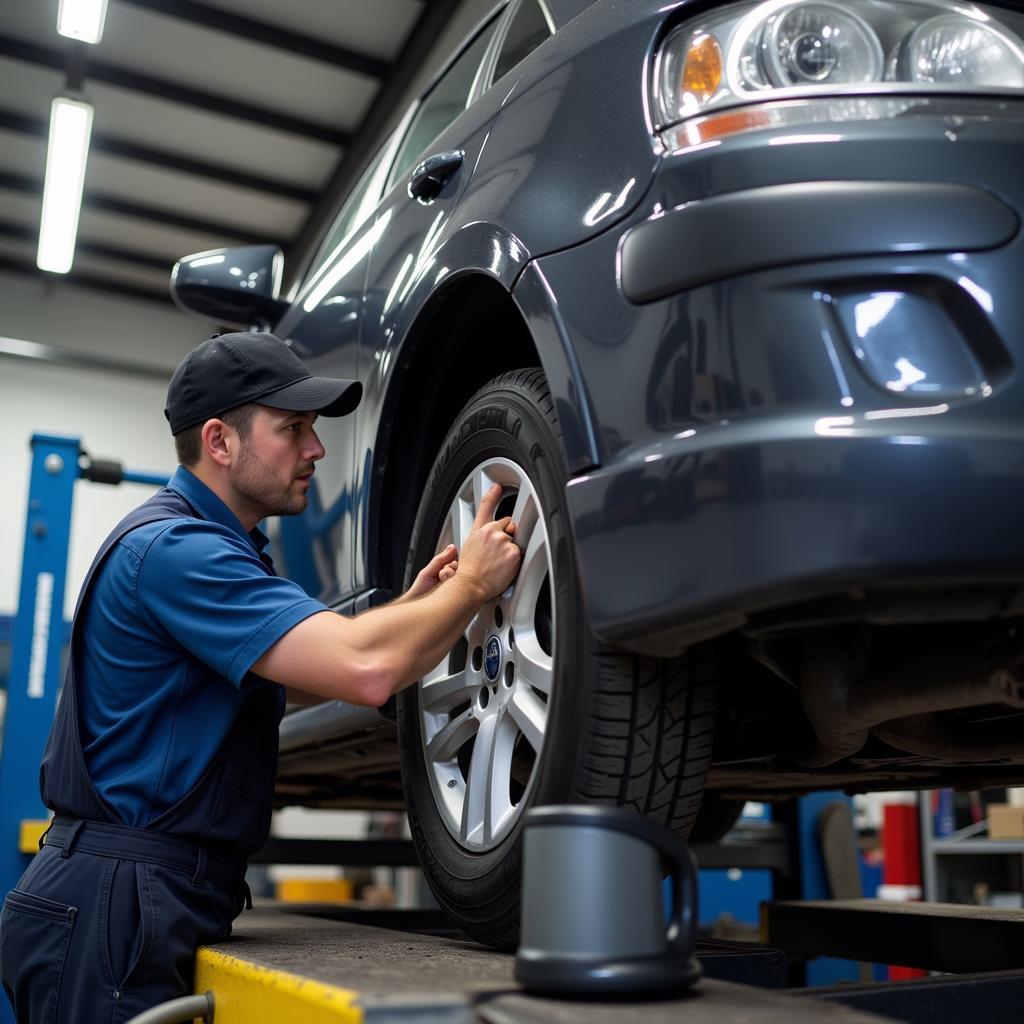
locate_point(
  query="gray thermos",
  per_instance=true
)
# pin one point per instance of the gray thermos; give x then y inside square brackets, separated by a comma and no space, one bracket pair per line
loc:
[593,912]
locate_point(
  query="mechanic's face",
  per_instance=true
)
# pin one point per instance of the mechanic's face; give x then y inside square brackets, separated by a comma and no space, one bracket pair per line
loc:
[275,464]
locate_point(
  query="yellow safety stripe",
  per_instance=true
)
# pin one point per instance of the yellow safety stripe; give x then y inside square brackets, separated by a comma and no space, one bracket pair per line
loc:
[29,835]
[246,993]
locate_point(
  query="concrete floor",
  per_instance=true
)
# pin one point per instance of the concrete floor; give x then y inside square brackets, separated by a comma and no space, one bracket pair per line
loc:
[407,964]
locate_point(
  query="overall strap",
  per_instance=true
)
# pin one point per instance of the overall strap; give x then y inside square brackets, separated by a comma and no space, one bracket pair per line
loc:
[64,780]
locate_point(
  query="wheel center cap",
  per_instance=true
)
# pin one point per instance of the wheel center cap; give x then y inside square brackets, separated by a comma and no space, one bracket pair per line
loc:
[492,658]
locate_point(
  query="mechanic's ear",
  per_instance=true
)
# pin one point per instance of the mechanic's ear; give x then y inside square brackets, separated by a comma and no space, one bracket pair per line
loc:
[218,441]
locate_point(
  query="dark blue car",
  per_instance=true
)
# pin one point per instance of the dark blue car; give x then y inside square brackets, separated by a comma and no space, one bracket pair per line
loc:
[730,299]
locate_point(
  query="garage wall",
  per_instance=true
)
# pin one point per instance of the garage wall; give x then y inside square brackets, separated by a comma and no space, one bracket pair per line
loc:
[117,416]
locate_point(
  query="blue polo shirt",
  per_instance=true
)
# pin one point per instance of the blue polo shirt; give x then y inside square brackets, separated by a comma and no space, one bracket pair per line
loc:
[178,614]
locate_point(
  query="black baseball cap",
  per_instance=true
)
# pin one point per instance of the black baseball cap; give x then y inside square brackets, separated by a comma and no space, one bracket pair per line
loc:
[229,370]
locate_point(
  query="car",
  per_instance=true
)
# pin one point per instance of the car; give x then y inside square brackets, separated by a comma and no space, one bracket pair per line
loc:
[728,298]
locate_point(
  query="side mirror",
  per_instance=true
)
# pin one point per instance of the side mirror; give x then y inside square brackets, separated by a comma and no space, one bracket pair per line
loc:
[234,287]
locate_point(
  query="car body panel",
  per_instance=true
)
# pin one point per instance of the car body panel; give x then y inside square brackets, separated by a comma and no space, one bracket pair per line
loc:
[756,443]
[785,362]
[541,142]
[539,307]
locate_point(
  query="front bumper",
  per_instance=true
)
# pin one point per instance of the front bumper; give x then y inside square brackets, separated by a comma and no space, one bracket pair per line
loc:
[692,538]
[761,448]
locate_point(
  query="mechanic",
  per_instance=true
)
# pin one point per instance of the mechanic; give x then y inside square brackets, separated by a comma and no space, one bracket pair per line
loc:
[161,762]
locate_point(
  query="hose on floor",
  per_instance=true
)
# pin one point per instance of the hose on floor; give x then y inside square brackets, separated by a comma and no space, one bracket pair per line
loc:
[179,1011]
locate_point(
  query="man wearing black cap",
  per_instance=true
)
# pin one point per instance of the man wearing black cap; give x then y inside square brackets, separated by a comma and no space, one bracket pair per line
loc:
[161,762]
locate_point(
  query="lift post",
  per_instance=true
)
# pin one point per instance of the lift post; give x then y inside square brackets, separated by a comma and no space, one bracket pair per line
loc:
[36,643]
[37,639]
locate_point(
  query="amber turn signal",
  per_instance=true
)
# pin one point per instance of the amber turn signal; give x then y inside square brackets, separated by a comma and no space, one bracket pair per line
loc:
[702,68]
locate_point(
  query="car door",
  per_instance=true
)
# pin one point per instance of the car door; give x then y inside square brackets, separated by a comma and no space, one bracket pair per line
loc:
[323,327]
[449,129]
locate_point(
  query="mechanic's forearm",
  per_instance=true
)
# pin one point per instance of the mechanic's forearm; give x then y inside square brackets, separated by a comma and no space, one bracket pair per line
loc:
[411,637]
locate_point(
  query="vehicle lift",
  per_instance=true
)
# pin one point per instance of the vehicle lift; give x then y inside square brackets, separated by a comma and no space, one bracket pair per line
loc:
[323,963]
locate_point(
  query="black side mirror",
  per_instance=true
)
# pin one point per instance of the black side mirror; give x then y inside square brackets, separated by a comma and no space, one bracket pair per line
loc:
[233,287]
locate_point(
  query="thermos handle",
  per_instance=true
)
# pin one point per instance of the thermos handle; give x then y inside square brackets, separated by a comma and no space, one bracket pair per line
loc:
[683,871]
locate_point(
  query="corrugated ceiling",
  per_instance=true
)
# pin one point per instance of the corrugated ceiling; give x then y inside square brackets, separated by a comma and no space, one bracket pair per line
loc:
[216,122]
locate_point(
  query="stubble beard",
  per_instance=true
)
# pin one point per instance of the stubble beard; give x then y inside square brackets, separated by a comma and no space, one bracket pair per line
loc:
[260,490]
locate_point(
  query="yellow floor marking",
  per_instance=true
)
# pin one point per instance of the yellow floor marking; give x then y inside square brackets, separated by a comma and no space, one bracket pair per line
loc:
[246,993]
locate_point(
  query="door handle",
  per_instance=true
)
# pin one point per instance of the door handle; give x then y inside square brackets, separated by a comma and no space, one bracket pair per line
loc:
[430,176]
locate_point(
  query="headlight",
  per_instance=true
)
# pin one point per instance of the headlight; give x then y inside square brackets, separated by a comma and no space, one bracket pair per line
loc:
[818,43]
[783,49]
[951,50]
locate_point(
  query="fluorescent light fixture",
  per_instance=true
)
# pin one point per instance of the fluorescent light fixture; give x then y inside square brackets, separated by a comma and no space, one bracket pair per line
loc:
[82,19]
[70,127]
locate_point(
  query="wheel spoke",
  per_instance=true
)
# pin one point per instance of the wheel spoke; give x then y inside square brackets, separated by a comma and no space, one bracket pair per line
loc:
[532,570]
[461,522]
[451,736]
[530,713]
[525,515]
[479,488]
[533,664]
[445,691]
[487,803]
[474,803]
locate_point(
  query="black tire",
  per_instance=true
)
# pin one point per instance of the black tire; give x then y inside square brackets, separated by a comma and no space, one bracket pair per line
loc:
[715,819]
[621,729]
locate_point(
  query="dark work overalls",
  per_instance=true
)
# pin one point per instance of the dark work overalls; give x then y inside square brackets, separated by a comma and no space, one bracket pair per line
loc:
[106,920]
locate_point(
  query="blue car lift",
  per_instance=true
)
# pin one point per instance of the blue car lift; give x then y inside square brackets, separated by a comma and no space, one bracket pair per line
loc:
[38,639]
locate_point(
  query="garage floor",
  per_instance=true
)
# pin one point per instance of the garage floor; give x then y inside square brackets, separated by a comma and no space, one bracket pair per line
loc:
[319,963]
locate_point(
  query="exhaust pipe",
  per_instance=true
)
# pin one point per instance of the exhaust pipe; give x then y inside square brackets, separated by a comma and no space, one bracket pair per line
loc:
[930,736]
[845,702]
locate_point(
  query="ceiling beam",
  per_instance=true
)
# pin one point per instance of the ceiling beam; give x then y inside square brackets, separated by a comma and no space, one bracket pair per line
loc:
[37,352]
[101,143]
[267,34]
[113,204]
[164,89]
[433,20]
[29,233]
[86,280]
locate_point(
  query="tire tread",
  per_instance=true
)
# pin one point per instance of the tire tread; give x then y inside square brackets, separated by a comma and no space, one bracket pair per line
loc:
[647,737]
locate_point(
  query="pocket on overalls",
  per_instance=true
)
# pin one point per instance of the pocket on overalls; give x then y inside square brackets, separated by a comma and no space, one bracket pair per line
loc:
[34,937]
[129,923]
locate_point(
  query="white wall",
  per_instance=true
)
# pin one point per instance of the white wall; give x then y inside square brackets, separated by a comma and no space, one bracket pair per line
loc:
[118,417]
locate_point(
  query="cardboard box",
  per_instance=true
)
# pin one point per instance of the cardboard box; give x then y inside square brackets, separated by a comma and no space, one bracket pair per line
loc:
[1005,821]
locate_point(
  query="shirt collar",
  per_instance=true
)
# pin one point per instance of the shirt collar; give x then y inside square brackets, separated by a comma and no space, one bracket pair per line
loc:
[210,507]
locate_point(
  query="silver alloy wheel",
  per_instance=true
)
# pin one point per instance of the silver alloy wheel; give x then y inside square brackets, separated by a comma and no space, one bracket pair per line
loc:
[490,696]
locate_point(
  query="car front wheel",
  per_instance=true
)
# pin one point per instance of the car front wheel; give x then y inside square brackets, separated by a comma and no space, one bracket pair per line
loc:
[528,709]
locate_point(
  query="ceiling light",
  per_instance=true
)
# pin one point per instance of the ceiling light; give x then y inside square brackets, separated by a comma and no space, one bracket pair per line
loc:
[70,127]
[82,19]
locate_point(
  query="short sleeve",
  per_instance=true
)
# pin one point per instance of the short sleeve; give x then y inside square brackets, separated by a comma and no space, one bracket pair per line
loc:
[205,585]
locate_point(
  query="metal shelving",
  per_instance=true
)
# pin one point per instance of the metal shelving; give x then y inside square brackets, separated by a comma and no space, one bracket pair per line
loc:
[971,841]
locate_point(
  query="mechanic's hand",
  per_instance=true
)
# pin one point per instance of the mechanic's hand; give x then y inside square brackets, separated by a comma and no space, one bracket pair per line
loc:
[440,568]
[490,557]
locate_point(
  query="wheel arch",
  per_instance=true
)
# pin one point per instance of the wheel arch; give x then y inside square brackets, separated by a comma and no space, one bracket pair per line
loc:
[443,363]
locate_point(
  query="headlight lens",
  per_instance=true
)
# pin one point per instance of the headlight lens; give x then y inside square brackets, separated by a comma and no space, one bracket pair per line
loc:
[780,49]
[819,43]
[950,50]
